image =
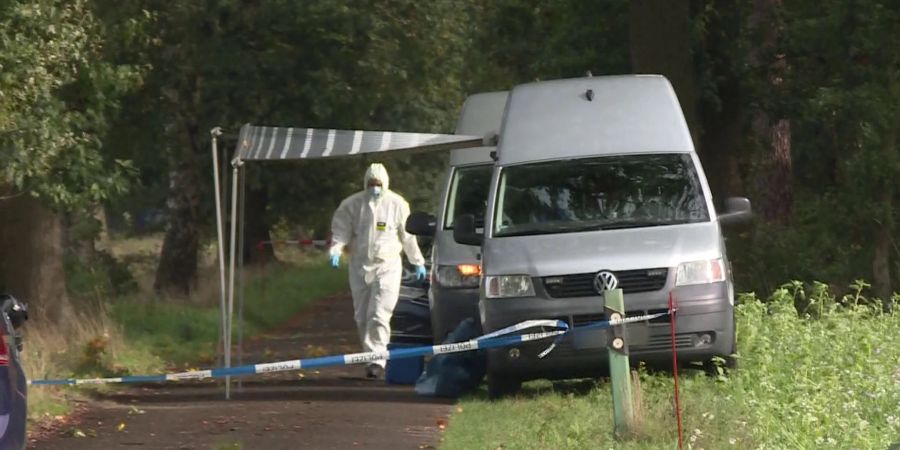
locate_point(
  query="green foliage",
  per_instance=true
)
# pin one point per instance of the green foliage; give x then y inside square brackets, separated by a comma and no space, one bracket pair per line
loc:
[55,92]
[522,41]
[399,65]
[100,278]
[816,371]
[826,377]
[839,92]
[182,334]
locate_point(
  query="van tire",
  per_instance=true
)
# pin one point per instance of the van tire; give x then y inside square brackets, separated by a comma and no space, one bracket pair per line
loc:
[500,386]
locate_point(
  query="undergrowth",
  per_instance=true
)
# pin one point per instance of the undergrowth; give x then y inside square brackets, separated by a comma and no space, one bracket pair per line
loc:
[107,335]
[816,371]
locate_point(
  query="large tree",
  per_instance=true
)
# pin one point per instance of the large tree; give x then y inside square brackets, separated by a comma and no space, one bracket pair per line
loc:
[373,64]
[54,94]
[845,78]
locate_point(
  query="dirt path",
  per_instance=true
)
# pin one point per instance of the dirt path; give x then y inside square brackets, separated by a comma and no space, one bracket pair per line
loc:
[334,408]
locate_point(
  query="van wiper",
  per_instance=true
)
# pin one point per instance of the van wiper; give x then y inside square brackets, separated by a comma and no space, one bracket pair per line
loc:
[531,232]
[622,224]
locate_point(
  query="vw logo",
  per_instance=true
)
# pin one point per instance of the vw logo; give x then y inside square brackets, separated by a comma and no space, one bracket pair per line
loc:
[605,281]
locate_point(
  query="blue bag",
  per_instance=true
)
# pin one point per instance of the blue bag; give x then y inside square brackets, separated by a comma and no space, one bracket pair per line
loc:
[454,374]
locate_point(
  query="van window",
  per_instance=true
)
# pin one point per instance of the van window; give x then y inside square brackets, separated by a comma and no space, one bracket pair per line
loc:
[611,192]
[468,194]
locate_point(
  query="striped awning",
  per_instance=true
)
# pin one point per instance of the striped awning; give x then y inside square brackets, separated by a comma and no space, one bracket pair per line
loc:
[257,143]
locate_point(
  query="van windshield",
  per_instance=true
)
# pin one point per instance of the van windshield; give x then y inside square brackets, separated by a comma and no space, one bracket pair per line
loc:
[611,192]
[468,194]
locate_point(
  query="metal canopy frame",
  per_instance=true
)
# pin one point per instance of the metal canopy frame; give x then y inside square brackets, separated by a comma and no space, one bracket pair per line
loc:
[261,144]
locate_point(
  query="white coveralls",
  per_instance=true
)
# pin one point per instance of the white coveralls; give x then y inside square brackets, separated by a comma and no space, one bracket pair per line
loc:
[374,230]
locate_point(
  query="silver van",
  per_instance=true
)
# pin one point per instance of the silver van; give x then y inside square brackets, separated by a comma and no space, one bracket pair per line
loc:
[597,177]
[456,268]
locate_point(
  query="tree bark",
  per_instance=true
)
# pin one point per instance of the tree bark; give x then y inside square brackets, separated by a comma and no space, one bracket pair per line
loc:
[177,270]
[79,232]
[884,243]
[31,257]
[256,229]
[660,43]
[722,118]
[773,171]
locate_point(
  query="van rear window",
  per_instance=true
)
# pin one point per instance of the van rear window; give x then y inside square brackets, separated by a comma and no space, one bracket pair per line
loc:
[611,192]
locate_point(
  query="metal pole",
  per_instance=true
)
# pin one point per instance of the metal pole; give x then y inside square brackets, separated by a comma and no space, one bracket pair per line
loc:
[215,133]
[619,368]
[233,248]
[241,214]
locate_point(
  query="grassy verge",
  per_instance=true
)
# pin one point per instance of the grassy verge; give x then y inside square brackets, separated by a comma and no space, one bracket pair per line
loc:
[827,377]
[183,333]
[142,334]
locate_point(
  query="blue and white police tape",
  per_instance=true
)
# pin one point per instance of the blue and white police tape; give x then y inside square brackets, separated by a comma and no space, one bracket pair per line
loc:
[499,338]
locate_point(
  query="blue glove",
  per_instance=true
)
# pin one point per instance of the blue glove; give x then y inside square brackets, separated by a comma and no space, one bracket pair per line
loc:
[335,261]
[421,272]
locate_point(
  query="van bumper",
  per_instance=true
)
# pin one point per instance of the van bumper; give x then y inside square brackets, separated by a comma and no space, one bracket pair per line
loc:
[704,328]
[449,307]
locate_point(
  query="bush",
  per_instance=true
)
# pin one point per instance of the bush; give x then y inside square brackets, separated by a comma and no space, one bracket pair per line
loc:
[99,278]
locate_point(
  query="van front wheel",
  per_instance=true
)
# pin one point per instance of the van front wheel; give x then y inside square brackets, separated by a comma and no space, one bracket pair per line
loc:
[500,386]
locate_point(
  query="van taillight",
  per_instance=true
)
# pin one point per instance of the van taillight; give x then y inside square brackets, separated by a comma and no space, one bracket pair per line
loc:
[4,351]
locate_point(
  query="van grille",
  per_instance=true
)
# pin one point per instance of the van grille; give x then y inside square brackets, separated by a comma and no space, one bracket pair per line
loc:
[582,284]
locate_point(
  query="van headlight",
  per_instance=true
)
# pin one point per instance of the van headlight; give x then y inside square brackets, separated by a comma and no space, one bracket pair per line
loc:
[700,272]
[458,276]
[502,286]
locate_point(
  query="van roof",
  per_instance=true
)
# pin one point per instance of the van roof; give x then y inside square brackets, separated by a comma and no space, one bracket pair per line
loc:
[481,115]
[624,114]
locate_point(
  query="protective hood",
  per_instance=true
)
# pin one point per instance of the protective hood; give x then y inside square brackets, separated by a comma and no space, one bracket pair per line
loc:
[378,172]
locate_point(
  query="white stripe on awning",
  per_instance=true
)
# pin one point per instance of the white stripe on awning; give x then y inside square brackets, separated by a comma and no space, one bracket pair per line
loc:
[260,143]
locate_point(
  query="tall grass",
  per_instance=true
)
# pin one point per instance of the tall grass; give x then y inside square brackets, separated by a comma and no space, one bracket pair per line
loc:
[143,333]
[815,372]
[81,343]
[183,332]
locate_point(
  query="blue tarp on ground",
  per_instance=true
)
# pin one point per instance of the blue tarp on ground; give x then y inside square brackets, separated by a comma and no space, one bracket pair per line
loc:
[454,374]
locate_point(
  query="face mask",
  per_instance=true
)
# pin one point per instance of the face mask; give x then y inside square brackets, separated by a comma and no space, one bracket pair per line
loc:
[375,191]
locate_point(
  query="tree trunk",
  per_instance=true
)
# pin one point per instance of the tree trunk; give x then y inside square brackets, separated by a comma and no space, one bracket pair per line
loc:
[884,243]
[660,36]
[881,264]
[79,233]
[773,171]
[177,270]
[722,117]
[256,229]
[31,257]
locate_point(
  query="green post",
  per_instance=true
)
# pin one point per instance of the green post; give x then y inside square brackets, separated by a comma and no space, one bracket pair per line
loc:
[619,368]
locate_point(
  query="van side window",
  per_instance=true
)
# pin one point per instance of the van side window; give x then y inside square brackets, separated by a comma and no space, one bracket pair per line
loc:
[468,194]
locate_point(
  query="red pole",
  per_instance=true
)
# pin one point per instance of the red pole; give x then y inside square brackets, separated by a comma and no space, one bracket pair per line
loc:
[673,306]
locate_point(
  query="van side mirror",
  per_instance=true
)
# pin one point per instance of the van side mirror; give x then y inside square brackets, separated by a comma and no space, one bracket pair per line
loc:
[464,231]
[421,224]
[737,210]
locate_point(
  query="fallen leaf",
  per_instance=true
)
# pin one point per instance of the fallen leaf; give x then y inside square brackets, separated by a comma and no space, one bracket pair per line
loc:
[121,427]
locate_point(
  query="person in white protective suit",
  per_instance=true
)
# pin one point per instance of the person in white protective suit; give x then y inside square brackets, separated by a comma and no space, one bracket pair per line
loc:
[371,223]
